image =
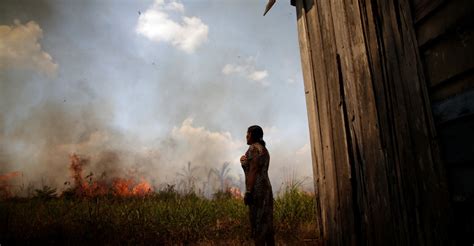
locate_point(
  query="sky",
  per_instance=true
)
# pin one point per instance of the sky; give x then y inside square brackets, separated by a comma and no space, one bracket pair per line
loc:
[148,86]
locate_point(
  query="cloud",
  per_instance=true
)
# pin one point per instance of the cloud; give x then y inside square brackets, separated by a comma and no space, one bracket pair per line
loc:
[258,75]
[248,70]
[202,146]
[156,24]
[20,48]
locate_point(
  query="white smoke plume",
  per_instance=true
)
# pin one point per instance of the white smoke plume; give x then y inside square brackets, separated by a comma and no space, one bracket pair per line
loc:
[76,78]
[248,70]
[20,48]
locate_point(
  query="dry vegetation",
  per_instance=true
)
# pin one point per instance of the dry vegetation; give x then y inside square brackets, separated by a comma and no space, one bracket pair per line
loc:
[164,217]
[127,211]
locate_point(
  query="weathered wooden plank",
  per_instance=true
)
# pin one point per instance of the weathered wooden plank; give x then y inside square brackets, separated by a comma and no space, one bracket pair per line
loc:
[452,15]
[450,57]
[313,116]
[419,191]
[319,36]
[367,93]
[313,113]
[381,103]
[337,106]
[407,115]
[399,99]
[357,95]
[452,87]
[423,8]
[453,108]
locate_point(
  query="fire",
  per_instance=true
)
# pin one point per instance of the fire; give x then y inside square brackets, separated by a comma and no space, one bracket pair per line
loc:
[5,191]
[129,187]
[141,189]
[235,192]
[119,186]
[122,187]
[76,167]
[7,176]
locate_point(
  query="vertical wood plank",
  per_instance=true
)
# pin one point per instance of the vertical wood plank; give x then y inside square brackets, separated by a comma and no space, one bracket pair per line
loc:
[375,161]
[313,117]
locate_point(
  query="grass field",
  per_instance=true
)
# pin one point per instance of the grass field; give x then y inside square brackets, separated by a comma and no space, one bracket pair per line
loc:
[161,218]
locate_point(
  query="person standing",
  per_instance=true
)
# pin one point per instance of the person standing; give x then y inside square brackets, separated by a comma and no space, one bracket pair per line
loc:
[258,196]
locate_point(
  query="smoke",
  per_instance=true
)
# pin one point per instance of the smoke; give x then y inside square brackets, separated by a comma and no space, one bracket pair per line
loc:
[80,79]
[19,47]
[44,141]
[247,70]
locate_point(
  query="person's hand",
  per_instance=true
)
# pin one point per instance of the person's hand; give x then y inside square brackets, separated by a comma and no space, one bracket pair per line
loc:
[243,159]
[248,198]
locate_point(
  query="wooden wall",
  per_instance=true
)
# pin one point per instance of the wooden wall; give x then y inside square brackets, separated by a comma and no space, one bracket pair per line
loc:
[445,34]
[378,176]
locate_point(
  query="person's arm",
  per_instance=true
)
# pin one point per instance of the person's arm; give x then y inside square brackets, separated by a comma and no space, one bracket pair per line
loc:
[252,162]
[244,164]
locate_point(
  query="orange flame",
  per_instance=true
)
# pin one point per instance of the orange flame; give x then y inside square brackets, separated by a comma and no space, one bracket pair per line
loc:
[235,192]
[122,187]
[4,183]
[142,189]
[7,176]
[119,186]
[128,187]
[76,166]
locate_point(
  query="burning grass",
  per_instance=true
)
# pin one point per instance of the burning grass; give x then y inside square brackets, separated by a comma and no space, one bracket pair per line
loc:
[88,187]
[163,217]
[119,210]
[5,189]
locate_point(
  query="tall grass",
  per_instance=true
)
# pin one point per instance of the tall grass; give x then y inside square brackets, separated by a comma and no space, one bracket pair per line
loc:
[166,217]
[294,212]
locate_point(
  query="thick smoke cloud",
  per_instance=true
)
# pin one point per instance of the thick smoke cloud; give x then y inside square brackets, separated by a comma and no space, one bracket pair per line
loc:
[19,48]
[88,83]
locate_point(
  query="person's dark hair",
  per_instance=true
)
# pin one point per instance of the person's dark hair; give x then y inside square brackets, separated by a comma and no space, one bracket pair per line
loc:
[256,133]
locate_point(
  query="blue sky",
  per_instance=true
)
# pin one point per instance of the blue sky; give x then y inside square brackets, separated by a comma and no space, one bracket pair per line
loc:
[159,83]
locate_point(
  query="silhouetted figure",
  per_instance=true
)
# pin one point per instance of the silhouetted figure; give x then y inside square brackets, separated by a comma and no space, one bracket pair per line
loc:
[258,195]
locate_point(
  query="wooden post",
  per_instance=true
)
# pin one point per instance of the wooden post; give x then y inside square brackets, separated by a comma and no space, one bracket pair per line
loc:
[378,176]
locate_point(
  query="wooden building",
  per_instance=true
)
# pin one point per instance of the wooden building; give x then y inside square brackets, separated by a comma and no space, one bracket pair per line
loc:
[390,95]
[445,35]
